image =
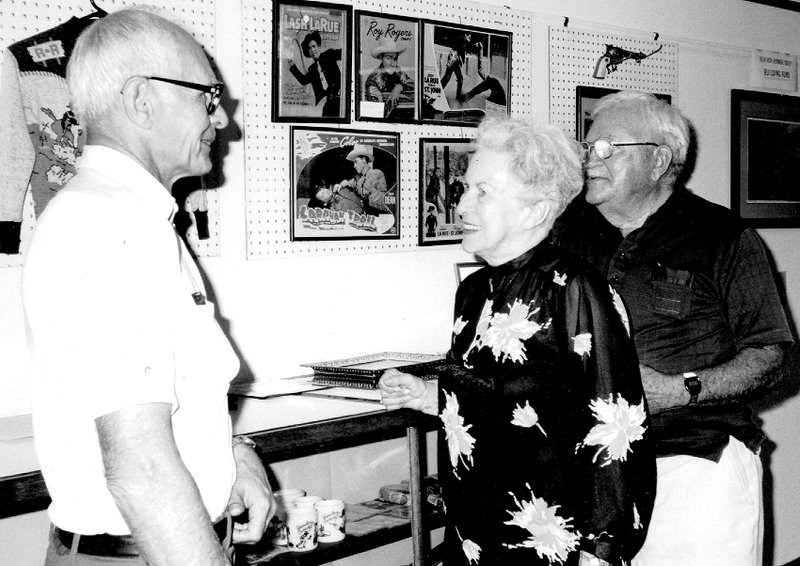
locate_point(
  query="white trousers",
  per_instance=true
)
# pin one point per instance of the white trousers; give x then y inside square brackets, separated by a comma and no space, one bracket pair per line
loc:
[707,513]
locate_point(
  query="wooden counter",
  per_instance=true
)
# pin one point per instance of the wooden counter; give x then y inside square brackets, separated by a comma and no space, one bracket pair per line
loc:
[26,492]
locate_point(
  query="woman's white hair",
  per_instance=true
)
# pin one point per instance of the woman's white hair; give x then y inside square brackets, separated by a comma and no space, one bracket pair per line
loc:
[132,41]
[542,157]
[661,121]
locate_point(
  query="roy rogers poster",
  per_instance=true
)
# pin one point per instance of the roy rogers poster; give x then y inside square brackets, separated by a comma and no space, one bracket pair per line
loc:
[311,68]
[345,184]
[387,65]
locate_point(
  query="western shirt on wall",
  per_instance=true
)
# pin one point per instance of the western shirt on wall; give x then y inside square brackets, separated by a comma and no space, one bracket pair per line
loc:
[41,139]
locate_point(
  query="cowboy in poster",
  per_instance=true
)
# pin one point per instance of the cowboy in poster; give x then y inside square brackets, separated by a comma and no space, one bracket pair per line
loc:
[345,184]
[466,74]
[313,55]
[388,61]
[444,164]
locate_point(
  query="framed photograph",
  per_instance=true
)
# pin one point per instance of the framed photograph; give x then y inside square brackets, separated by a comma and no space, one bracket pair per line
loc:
[345,184]
[785,4]
[443,162]
[585,99]
[765,158]
[312,60]
[464,269]
[387,67]
[466,73]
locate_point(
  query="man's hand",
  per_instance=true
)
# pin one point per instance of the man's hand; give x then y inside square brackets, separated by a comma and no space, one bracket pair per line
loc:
[405,391]
[252,493]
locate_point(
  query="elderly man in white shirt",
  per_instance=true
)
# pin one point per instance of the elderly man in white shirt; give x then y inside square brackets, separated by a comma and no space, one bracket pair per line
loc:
[130,370]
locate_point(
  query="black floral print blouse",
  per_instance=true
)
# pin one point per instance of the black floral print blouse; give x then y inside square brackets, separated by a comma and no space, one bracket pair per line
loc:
[545,446]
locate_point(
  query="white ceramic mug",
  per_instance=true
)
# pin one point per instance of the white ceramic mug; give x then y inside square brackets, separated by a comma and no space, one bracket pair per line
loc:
[285,499]
[307,501]
[330,520]
[301,528]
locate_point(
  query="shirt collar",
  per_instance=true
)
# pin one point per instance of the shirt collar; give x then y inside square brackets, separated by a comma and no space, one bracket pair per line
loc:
[518,262]
[129,173]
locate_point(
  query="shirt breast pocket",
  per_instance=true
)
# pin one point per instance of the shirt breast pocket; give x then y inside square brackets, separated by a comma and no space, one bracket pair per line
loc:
[672,292]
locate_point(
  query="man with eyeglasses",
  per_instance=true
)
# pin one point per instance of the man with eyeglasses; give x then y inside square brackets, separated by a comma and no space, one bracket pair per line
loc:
[129,368]
[706,318]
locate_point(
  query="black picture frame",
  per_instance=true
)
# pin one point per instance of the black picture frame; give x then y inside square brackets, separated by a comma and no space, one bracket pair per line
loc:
[328,200]
[466,73]
[765,158]
[386,94]
[306,80]
[442,164]
[465,269]
[585,99]
[785,4]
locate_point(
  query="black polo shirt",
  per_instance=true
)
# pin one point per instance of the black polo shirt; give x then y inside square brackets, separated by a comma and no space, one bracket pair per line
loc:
[698,287]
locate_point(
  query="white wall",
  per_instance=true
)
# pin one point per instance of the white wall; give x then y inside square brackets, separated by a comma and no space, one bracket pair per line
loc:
[315,308]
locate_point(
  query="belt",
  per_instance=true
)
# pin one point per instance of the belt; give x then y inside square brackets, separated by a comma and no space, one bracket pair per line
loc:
[117,546]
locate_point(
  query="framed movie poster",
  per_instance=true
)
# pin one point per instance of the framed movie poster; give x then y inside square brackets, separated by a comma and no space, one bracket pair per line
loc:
[467,268]
[466,73]
[387,67]
[345,184]
[765,158]
[443,163]
[585,99]
[311,64]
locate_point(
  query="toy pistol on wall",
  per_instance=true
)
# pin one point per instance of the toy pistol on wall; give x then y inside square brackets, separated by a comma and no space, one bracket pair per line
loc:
[608,61]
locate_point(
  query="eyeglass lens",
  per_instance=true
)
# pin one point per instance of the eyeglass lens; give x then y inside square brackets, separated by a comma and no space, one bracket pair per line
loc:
[603,149]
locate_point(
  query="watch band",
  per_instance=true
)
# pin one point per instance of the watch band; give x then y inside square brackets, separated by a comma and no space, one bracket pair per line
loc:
[242,439]
[691,381]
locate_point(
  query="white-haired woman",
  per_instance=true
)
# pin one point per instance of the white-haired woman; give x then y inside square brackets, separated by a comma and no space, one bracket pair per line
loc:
[544,455]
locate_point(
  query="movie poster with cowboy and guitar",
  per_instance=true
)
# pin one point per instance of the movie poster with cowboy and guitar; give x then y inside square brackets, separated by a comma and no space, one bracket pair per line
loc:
[345,184]
[387,63]
[311,67]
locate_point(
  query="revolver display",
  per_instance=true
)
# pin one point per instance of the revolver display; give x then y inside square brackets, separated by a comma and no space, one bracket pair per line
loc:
[608,61]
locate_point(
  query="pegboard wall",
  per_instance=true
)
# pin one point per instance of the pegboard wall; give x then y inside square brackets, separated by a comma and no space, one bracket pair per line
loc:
[574,54]
[267,144]
[21,19]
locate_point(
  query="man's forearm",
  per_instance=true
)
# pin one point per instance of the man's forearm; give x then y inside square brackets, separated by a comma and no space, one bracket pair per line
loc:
[168,520]
[751,372]
[153,489]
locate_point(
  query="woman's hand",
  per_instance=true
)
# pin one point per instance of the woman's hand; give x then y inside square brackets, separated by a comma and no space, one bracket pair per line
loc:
[405,391]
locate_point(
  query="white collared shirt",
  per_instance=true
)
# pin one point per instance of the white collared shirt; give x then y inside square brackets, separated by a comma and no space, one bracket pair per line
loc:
[111,324]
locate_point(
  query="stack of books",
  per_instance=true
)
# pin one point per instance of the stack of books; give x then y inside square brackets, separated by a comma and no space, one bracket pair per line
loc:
[400,493]
[364,372]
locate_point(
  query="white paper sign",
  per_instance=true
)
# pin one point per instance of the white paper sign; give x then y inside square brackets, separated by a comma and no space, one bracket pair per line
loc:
[769,69]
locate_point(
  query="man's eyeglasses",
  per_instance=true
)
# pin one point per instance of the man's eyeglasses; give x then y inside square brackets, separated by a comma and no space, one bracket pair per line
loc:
[605,148]
[213,92]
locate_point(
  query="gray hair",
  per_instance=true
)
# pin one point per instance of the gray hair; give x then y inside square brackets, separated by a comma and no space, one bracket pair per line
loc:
[659,119]
[543,159]
[132,41]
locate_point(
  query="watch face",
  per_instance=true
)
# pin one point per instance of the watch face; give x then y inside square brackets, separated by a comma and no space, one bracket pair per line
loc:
[692,385]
